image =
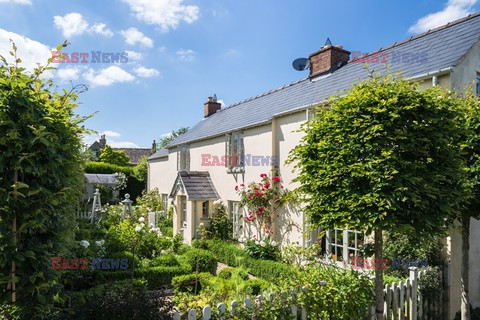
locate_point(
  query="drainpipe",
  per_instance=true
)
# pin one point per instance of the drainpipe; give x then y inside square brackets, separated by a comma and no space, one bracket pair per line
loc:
[434,81]
[275,168]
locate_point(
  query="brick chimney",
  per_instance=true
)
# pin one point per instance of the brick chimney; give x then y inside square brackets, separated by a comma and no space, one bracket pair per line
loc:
[102,141]
[211,106]
[328,59]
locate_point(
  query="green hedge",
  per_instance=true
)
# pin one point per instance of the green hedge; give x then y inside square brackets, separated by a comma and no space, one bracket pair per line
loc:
[156,276]
[134,186]
[234,256]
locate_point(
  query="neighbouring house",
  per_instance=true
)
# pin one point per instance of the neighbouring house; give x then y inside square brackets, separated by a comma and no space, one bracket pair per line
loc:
[189,178]
[134,154]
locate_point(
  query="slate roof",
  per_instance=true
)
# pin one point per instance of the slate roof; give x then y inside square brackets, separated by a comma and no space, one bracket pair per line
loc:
[197,185]
[159,154]
[445,46]
[135,154]
[100,178]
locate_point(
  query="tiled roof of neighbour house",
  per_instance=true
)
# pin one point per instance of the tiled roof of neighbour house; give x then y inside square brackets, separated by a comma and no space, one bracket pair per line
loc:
[100,178]
[445,46]
[197,185]
[159,154]
[135,154]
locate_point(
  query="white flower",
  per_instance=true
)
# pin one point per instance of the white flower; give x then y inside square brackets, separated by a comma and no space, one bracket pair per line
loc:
[149,209]
[84,243]
[100,243]
[142,225]
[141,219]
[138,228]
[257,242]
[263,244]
[151,225]
[274,243]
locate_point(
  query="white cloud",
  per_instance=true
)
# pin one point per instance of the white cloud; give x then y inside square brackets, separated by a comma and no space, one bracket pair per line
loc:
[69,74]
[146,72]
[111,134]
[454,9]
[30,51]
[166,135]
[133,36]
[73,24]
[221,102]
[162,49]
[17,1]
[186,54]
[133,55]
[101,29]
[167,14]
[122,144]
[108,76]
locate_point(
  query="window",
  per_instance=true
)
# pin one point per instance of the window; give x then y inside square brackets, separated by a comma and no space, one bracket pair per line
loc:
[205,210]
[234,150]
[344,244]
[477,90]
[183,158]
[183,211]
[236,216]
[311,113]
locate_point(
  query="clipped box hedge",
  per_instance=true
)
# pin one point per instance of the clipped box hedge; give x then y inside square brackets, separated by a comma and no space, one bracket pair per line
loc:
[155,276]
[234,256]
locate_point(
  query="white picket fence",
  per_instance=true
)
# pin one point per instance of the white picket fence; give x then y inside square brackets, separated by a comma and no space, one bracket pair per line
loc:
[403,301]
[248,304]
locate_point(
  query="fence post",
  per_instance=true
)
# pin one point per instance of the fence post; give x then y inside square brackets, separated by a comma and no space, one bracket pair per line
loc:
[414,280]
[221,310]
[192,314]
[176,315]
[207,313]
[234,307]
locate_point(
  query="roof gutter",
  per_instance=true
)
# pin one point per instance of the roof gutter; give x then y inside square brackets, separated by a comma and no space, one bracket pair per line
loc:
[432,74]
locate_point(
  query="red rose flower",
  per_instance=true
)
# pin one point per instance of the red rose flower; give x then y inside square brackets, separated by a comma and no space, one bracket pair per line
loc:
[263,175]
[267,185]
[236,188]
[276,179]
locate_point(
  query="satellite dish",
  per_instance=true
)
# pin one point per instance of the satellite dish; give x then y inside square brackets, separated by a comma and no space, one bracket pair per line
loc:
[301,64]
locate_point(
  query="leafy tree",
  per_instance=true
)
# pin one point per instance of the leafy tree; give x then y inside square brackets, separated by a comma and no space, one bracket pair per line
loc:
[471,147]
[117,157]
[40,183]
[382,157]
[175,133]
[141,169]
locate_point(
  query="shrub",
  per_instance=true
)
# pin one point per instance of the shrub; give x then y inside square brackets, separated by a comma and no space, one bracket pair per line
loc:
[265,250]
[192,283]
[254,287]
[225,273]
[167,260]
[220,225]
[120,300]
[201,260]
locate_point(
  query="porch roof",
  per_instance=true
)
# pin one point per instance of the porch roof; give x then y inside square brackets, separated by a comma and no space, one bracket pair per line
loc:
[196,184]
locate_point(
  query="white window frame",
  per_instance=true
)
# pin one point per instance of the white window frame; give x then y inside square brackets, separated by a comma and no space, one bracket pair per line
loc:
[337,241]
[234,147]
[183,158]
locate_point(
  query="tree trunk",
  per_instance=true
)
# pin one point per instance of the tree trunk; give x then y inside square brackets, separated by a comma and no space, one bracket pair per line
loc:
[378,275]
[465,303]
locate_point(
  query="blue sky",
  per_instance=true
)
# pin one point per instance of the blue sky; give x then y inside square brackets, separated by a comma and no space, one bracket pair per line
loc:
[182,51]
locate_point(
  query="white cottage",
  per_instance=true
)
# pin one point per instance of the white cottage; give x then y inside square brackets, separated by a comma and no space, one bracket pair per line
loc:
[266,125]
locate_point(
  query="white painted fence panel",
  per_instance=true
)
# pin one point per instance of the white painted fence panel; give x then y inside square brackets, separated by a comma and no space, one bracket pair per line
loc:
[403,301]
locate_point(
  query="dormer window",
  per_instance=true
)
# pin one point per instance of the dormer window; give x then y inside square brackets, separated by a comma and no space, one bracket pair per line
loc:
[235,152]
[183,158]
